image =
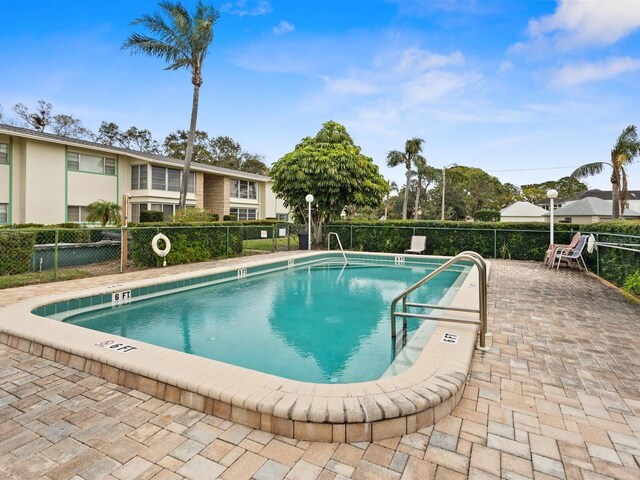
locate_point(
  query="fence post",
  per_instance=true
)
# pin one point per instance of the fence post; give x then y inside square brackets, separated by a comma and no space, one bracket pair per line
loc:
[288,237]
[597,255]
[55,257]
[227,249]
[495,243]
[351,237]
[275,238]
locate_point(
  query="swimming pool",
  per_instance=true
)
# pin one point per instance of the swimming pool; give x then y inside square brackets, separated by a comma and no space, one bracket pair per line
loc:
[323,323]
[401,401]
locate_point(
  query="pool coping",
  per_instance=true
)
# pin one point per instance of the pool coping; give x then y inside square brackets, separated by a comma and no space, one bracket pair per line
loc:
[366,411]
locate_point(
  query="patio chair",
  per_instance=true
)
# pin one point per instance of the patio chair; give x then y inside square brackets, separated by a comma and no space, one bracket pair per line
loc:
[418,245]
[568,255]
[551,251]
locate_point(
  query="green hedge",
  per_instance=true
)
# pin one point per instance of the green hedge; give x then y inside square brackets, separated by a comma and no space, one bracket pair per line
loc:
[194,242]
[151,216]
[67,232]
[487,216]
[17,252]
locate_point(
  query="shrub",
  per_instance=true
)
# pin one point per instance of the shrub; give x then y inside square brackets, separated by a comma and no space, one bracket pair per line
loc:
[632,284]
[151,216]
[194,215]
[230,218]
[487,216]
[17,252]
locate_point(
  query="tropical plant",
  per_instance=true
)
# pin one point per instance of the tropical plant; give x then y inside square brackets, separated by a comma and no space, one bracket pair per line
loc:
[411,154]
[623,153]
[104,212]
[331,168]
[183,41]
[393,187]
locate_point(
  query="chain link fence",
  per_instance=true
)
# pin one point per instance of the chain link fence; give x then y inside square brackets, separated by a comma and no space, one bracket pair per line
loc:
[44,255]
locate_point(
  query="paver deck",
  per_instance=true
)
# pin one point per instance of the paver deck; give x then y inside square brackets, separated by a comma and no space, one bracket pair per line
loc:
[557,396]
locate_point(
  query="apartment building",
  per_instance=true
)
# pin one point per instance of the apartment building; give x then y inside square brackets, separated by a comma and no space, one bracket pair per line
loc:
[50,179]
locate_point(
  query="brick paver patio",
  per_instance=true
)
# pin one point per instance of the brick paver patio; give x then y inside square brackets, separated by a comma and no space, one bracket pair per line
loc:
[557,396]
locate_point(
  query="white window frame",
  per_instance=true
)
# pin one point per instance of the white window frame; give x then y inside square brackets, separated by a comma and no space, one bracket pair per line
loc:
[242,213]
[143,180]
[108,163]
[249,188]
[164,207]
[283,217]
[136,209]
[83,211]
[4,155]
[191,186]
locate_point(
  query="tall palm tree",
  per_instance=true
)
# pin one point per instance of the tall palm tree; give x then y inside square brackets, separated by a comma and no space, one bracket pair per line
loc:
[104,212]
[421,172]
[182,40]
[412,151]
[623,153]
[393,187]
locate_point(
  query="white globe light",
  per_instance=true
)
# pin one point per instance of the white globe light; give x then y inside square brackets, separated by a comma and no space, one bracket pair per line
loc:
[309,198]
[552,193]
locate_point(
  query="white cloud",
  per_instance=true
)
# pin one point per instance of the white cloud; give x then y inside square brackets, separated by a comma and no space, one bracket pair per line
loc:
[505,66]
[417,60]
[577,23]
[349,86]
[575,74]
[247,7]
[283,28]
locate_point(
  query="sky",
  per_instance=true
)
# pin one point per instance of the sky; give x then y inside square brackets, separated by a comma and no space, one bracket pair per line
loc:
[526,90]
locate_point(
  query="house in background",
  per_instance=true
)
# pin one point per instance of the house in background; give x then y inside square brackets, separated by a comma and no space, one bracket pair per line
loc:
[633,198]
[523,212]
[50,179]
[589,210]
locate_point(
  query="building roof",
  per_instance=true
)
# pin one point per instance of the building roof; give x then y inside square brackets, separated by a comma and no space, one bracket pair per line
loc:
[522,209]
[595,193]
[590,206]
[161,159]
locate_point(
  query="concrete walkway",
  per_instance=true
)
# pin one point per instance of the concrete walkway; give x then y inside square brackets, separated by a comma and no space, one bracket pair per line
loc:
[557,396]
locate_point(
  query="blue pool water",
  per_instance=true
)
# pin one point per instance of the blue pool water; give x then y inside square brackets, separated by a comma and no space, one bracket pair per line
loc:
[317,324]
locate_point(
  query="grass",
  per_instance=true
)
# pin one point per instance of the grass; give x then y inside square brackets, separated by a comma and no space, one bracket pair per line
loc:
[266,244]
[33,278]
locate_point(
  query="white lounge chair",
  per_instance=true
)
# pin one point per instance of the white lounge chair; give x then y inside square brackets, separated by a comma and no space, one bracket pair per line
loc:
[418,245]
[569,255]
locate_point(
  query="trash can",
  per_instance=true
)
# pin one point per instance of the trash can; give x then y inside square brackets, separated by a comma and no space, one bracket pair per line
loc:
[303,241]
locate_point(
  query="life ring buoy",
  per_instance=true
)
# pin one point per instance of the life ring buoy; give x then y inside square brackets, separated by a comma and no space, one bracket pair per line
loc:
[591,244]
[156,249]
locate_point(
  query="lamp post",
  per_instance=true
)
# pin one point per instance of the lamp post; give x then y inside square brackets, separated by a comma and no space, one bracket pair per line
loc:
[551,195]
[444,186]
[309,199]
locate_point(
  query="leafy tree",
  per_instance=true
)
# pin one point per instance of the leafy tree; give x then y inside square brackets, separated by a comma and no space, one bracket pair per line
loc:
[254,163]
[333,169]
[623,153]
[175,145]
[69,126]
[139,140]
[411,154]
[104,212]
[39,119]
[109,134]
[566,187]
[183,41]
[225,152]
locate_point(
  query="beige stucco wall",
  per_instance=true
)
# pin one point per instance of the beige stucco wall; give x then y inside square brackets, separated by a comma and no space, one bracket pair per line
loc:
[272,204]
[86,188]
[44,183]
[4,183]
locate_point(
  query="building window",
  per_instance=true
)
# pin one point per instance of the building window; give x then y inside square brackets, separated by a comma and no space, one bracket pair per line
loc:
[284,217]
[166,208]
[4,154]
[136,208]
[4,212]
[244,213]
[77,213]
[244,189]
[138,177]
[169,179]
[81,162]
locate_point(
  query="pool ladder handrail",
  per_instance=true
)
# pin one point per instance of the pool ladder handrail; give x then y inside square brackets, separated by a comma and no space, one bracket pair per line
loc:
[346,262]
[470,256]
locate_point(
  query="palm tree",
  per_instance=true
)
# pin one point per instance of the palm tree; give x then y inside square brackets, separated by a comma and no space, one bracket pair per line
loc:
[623,153]
[104,212]
[421,172]
[411,154]
[182,41]
[393,187]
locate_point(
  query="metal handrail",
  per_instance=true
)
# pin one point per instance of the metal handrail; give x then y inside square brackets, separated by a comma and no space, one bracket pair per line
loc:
[479,262]
[346,262]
